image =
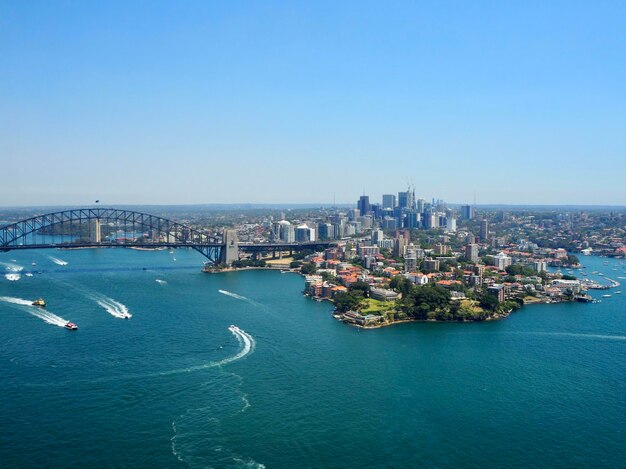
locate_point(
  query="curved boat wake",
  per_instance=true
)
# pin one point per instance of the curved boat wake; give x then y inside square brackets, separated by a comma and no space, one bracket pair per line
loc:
[247,342]
[36,311]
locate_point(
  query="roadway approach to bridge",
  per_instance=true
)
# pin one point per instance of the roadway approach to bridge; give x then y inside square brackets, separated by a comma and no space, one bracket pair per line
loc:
[84,227]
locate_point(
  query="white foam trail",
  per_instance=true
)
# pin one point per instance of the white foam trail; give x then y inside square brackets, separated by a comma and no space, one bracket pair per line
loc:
[28,274]
[248,345]
[234,295]
[13,277]
[111,306]
[12,267]
[58,261]
[36,311]
[622,278]
[581,336]
[161,282]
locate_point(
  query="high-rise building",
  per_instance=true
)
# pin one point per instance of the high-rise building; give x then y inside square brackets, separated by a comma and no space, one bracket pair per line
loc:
[484,230]
[406,199]
[467,212]
[501,261]
[389,201]
[471,252]
[377,235]
[364,205]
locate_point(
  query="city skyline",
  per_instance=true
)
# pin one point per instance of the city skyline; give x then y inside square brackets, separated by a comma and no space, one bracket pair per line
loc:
[277,103]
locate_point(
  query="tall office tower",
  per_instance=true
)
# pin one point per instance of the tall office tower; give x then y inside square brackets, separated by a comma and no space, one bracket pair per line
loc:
[364,205]
[421,205]
[389,201]
[484,230]
[406,199]
[377,211]
[377,235]
[471,252]
[467,212]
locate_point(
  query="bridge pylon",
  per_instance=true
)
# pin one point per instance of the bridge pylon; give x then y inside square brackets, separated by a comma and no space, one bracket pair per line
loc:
[230,251]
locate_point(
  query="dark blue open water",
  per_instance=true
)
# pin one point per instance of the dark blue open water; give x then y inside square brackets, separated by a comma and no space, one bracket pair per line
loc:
[173,387]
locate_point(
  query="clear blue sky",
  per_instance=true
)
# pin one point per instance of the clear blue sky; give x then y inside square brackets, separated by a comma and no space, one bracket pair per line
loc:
[270,102]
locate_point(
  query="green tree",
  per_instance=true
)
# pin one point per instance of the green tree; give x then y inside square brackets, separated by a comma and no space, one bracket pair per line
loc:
[309,268]
[347,301]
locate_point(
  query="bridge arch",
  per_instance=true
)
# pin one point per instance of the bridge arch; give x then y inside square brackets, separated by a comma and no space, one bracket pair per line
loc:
[22,234]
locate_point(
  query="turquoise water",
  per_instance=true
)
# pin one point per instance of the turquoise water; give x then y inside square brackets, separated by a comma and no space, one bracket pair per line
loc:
[173,387]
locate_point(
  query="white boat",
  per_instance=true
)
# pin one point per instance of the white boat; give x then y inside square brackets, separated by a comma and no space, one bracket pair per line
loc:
[606,296]
[618,292]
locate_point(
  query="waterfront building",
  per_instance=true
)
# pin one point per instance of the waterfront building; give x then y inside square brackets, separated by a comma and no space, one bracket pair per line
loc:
[567,286]
[497,290]
[382,294]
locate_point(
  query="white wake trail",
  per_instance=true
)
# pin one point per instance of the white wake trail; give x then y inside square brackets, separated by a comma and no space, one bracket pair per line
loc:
[12,267]
[248,345]
[36,311]
[57,261]
[111,306]
[234,295]
[161,282]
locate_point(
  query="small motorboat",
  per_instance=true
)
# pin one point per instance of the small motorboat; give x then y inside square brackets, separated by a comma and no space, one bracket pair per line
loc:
[39,302]
[71,326]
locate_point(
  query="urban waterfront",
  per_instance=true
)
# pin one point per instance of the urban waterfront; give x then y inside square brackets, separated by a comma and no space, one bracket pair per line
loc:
[173,386]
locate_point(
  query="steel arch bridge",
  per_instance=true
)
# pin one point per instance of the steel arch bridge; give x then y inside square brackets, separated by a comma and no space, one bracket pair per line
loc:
[86,224]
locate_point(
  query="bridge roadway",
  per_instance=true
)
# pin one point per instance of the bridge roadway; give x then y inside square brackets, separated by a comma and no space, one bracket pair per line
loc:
[85,225]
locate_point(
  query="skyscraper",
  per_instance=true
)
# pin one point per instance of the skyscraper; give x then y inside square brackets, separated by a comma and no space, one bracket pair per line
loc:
[467,212]
[484,230]
[406,199]
[471,252]
[364,205]
[389,201]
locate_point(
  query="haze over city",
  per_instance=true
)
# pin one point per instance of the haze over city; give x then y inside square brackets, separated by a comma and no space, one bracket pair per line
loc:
[281,102]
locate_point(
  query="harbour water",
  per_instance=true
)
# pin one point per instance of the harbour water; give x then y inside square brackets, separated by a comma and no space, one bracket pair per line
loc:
[173,386]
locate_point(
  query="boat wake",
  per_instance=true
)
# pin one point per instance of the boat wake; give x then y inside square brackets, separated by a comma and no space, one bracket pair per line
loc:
[581,335]
[197,434]
[246,341]
[161,282]
[35,310]
[233,295]
[57,261]
[12,267]
[111,306]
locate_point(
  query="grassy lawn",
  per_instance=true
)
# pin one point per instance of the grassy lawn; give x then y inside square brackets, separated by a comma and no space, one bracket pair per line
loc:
[371,306]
